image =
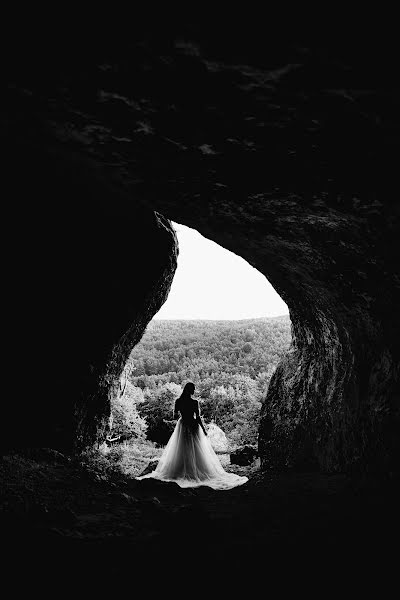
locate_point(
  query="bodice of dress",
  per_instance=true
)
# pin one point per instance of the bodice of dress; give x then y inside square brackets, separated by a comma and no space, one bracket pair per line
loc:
[188,409]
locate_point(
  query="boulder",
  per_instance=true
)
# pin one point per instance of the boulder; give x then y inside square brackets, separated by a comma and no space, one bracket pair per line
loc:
[217,438]
[244,455]
[152,465]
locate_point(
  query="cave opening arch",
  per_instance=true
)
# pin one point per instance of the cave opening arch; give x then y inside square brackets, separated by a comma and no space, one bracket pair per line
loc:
[332,402]
[222,327]
[284,155]
[316,415]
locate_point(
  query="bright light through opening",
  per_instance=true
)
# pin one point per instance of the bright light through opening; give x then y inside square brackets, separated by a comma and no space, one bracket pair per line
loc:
[214,283]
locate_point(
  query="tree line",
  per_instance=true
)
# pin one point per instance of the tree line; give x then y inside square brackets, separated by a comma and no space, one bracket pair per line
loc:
[230,363]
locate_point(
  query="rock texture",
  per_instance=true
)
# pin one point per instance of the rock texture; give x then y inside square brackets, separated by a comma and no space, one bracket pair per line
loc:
[84,279]
[283,151]
[82,524]
[245,455]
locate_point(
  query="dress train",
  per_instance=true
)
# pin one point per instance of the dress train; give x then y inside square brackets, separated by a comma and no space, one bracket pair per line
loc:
[190,461]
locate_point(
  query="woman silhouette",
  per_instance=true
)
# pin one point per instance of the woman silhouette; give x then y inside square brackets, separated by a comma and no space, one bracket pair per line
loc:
[188,458]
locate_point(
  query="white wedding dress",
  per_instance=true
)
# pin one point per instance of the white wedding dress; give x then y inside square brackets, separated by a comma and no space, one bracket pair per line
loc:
[190,461]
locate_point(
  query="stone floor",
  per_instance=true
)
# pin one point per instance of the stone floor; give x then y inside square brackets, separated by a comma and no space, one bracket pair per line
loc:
[62,523]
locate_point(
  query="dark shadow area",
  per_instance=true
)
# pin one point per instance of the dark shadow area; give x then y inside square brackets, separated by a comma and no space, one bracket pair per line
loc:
[283,152]
[103,533]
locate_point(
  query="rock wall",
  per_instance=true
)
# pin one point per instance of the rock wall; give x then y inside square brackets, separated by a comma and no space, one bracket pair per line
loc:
[284,151]
[83,280]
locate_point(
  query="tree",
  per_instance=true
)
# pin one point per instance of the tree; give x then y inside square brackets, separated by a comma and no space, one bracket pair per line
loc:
[158,409]
[230,362]
[245,429]
[125,421]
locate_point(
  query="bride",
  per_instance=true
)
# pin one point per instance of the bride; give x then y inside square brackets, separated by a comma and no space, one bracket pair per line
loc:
[188,458]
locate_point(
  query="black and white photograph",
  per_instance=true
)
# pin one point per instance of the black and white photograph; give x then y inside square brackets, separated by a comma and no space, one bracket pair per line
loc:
[201,322]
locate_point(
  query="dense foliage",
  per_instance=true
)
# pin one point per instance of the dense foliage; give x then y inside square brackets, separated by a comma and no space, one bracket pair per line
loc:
[125,420]
[230,363]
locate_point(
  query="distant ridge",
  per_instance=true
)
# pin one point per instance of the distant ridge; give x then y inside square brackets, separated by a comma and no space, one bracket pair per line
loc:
[248,320]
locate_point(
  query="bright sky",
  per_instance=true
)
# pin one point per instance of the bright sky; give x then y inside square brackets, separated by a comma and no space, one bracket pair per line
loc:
[213,283]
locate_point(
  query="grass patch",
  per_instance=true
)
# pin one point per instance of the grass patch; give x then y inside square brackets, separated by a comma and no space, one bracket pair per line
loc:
[129,458]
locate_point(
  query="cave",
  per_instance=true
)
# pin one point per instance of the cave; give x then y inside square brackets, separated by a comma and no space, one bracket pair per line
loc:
[284,153]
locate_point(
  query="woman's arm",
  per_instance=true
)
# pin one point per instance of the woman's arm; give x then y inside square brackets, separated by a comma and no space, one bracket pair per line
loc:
[199,419]
[176,411]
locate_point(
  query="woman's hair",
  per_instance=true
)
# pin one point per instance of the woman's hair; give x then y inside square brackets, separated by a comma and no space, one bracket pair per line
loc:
[188,389]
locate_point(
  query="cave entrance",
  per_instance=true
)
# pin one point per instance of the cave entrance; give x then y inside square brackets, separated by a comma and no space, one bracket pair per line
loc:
[223,327]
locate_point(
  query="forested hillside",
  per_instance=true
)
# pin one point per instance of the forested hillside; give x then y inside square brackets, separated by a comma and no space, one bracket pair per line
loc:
[230,362]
